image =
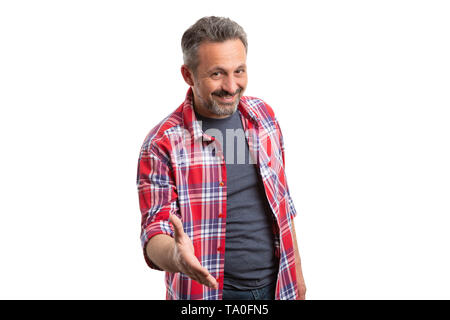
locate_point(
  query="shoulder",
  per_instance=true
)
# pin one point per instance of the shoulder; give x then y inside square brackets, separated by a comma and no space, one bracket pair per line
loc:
[157,142]
[261,108]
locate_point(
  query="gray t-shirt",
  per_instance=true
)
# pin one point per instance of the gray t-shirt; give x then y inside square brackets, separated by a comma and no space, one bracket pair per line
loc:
[250,260]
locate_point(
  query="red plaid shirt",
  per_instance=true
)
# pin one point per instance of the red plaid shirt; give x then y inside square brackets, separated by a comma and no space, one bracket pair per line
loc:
[179,173]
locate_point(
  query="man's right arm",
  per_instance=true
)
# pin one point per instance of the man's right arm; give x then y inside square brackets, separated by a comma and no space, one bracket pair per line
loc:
[164,249]
[177,255]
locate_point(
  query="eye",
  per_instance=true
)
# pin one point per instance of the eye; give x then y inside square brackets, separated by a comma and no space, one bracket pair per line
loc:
[240,71]
[216,74]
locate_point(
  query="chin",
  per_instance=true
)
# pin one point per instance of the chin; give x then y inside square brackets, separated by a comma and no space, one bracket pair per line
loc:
[227,109]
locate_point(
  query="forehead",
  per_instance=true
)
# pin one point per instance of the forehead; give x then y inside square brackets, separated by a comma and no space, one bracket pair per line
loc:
[227,54]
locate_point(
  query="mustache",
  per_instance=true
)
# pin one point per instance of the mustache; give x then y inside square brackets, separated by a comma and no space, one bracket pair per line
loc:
[224,93]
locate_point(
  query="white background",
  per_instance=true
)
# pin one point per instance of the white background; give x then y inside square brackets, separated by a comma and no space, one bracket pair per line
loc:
[361,90]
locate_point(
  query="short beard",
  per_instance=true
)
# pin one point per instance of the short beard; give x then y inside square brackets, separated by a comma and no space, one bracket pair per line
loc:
[215,108]
[219,110]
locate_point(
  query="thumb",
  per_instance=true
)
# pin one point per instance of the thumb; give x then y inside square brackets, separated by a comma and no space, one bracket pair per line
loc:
[177,225]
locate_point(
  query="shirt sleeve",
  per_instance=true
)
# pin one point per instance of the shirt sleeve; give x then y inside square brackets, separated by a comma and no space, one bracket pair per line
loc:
[291,208]
[157,198]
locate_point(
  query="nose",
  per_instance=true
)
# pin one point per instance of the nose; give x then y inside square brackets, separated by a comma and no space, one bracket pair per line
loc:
[230,85]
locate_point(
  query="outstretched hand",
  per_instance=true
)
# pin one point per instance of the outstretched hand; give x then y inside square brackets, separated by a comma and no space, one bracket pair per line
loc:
[185,259]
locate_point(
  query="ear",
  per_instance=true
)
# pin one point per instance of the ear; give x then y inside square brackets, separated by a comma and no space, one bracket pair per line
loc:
[187,75]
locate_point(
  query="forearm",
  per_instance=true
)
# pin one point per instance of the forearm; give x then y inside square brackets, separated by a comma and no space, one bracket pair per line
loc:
[298,267]
[160,250]
[298,262]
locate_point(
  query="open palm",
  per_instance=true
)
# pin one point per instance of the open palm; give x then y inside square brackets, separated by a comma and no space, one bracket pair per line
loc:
[185,259]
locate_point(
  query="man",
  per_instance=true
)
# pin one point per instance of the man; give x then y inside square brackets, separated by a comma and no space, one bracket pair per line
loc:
[216,214]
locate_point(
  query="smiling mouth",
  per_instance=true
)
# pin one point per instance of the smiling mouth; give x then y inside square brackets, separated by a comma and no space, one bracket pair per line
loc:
[227,98]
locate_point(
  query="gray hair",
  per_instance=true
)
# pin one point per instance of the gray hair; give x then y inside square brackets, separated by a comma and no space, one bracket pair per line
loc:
[213,29]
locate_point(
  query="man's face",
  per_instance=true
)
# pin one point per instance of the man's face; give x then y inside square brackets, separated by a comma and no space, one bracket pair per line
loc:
[220,78]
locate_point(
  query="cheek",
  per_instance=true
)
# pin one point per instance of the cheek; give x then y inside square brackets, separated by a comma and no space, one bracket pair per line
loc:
[204,89]
[211,87]
[242,81]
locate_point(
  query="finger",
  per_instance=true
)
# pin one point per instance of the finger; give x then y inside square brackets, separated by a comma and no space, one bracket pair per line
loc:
[199,273]
[206,278]
[212,282]
[206,281]
[195,267]
[177,225]
[195,276]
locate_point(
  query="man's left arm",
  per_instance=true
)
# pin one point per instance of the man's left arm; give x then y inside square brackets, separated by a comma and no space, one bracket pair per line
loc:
[301,287]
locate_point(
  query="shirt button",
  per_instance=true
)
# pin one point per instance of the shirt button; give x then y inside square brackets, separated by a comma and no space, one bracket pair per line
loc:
[220,214]
[221,183]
